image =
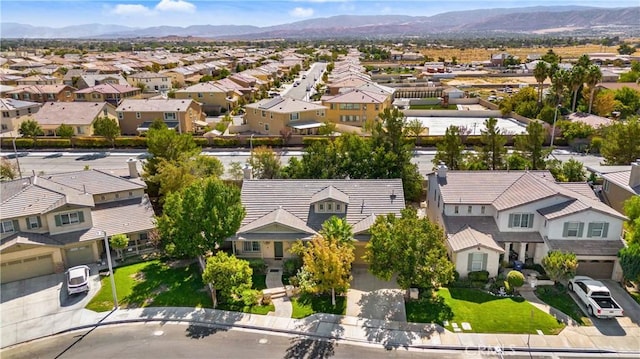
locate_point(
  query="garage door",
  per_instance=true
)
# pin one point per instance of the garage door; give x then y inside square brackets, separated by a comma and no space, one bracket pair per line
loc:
[595,269]
[79,255]
[26,268]
[359,253]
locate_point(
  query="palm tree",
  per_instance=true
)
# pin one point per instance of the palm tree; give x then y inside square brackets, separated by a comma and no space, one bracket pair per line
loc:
[594,75]
[540,72]
[559,79]
[576,79]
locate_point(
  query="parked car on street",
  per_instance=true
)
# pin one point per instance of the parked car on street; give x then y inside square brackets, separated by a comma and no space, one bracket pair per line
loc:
[77,279]
[596,297]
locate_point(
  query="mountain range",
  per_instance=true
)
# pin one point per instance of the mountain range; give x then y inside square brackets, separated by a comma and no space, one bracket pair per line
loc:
[559,20]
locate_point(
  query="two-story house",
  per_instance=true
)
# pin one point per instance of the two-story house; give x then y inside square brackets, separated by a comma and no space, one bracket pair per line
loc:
[618,186]
[39,80]
[491,217]
[15,111]
[279,212]
[79,115]
[355,107]
[89,80]
[42,93]
[53,222]
[213,96]
[271,116]
[136,116]
[151,81]
[110,93]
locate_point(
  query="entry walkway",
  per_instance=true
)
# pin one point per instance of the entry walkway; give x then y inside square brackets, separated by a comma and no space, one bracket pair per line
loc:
[279,297]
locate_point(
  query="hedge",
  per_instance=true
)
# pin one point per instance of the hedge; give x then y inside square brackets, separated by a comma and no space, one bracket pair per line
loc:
[224,142]
[131,142]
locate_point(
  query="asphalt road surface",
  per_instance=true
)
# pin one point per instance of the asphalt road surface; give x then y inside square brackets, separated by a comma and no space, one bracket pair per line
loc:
[154,340]
[56,162]
[310,79]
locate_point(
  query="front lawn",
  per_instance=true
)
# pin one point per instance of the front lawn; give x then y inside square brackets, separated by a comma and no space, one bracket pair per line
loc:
[259,283]
[153,283]
[558,298]
[484,312]
[307,304]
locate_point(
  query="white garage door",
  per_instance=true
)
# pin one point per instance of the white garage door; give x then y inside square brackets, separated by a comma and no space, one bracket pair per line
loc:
[79,255]
[26,268]
[595,269]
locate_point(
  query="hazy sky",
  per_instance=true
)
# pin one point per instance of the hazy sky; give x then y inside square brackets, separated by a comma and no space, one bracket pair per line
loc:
[144,13]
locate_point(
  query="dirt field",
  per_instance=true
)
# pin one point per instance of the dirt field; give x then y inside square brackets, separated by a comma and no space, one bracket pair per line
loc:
[469,55]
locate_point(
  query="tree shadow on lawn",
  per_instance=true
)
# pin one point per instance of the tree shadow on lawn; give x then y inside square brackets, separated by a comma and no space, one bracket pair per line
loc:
[430,308]
[478,296]
[384,320]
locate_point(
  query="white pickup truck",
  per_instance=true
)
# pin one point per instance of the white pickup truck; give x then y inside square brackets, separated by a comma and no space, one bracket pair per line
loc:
[596,297]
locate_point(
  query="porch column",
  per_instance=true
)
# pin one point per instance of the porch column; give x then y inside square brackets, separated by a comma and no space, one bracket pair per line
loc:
[507,246]
[523,251]
[233,247]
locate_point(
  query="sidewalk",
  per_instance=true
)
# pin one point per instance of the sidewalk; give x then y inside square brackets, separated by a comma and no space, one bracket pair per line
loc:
[389,334]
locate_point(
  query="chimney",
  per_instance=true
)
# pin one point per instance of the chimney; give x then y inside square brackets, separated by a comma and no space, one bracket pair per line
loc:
[247,172]
[133,167]
[442,170]
[634,178]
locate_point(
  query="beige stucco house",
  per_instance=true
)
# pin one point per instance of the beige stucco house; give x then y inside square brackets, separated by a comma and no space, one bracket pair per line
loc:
[618,186]
[271,116]
[136,115]
[79,115]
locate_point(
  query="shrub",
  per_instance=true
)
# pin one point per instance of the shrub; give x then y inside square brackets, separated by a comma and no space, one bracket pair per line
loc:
[479,276]
[266,300]
[131,142]
[508,288]
[515,279]
[92,142]
[201,141]
[257,265]
[52,143]
[291,266]
[250,297]
[267,141]
[224,142]
[456,276]
[307,141]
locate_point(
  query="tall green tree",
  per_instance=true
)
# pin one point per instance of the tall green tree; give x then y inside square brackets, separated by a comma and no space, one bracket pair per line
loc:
[327,262]
[119,242]
[560,265]
[629,102]
[108,128]
[576,80]
[592,78]
[198,218]
[621,145]
[235,171]
[540,72]
[227,275]
[31,128]
[411,247]
[415,128]
[339,229]
[531,145]
[65,131]
[450,149]
[632,226]
[493,147]
[630,262]
[265,163]
[175,175]
[560,80]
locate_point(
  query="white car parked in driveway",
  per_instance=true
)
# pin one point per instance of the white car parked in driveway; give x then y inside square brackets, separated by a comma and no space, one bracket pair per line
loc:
[77,280]
[596,297]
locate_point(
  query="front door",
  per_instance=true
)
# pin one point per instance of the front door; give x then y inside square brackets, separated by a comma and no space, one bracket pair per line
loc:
[277,250]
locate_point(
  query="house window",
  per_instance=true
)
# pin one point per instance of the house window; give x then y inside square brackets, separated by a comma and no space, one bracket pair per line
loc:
[598,229]
[329,207]
[7,227]
[338,207]
[79,130]
[521,220]
[251,246]
[605,186]
[477,261]
[130,194]
[199,94]
[120,115]
[295,116]
[266,127]
[169,116]
[69,218]
[117,195]
[138,115]
[469,209]
[320,207]
[573,229]
[456,210]
[103,198]
[33,222]
[264,113]
[5,113]
[482,209]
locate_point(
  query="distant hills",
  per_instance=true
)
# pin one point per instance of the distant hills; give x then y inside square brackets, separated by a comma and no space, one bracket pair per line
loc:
[558,20]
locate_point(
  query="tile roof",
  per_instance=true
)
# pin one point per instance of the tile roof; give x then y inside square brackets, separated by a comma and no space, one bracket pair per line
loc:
[357,96]
[330,193]
[487,225]
[109,88]
[582,188]
[364,225]
[469,237]
[583,247]
[285,105]
[278,216]
[9,104]
[160,105]
[70,113]
[589,119]
[366,197]
[206,87]
[621,179]
[28,239]
[34,89]
[94,181]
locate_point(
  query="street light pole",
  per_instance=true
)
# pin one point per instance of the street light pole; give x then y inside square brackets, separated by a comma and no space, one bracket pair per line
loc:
[553,129]
[251,145]
[15,152]
[111,274]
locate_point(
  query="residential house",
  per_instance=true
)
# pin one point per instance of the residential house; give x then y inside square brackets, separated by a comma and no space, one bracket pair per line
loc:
[355,107]
[42,93]
[349,81]
[213,96]
[79,115]
[594,121]
[89,80]
[491,217]
[275,115]
[136,116]
[153,82]
[39,80]
[14,112]
[620,185]
[277,216]
[111,93]
[52,222]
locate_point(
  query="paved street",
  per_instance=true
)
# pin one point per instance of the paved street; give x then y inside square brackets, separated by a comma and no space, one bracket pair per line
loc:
[310,79]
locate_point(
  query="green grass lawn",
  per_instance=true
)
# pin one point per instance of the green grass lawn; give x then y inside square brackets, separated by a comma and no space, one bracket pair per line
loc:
[560,299]
[155,284]
[259,281]
[307,304]
[635,296]
[486,313]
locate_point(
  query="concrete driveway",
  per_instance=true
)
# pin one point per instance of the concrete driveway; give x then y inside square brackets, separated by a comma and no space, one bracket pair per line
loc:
[39,304]
[372,298]
[631,307]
